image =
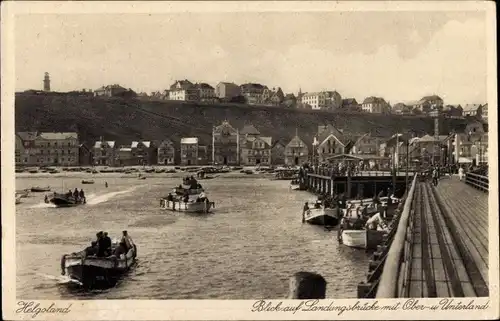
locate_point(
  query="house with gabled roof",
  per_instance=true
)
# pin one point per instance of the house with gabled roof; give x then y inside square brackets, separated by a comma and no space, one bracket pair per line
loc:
[331,141]
[183,90]
[105,153]
[278,152]
[429,103]
[225,144]
[166,152]
[144,152]
[472,110]
[189,151]
[296,152]
[254,148]
[376,105]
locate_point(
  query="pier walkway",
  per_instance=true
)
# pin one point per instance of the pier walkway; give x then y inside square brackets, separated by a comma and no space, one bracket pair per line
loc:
[440,248]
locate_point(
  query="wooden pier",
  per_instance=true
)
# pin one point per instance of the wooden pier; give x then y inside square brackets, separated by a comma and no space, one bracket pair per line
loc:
[363,184]
[440,246]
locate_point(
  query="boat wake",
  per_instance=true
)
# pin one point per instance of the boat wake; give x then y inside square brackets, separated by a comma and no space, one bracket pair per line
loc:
[92,199]
[60,279]
[43,205]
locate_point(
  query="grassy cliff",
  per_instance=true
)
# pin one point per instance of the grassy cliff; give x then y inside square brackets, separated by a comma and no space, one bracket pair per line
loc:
[125,120]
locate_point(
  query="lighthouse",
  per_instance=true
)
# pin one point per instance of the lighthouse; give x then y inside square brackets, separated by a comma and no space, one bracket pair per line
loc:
[46,82]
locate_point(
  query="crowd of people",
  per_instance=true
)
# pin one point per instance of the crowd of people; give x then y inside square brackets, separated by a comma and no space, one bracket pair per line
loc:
[103,246]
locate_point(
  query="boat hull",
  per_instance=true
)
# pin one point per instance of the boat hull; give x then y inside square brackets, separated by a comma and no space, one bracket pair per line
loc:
[40,189]
[62,201]
[95,272]
[190,207]
[322,216]
[362,239]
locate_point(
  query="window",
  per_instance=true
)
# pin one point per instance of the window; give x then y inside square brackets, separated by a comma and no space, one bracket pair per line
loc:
[41,151]
[69,151]
[62,152]
[48,145]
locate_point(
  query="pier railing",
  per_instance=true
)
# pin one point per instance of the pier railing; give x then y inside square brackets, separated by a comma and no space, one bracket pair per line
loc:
[395,260]
[477,181]
[329,172]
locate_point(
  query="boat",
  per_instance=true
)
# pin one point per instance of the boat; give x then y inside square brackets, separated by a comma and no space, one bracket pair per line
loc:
[320,215]
[33,171]
[87,182]
[286,174]
[192,206]
[93,271]
[362,239]
[298,185]
[64,200]
[18,200]
[40,189]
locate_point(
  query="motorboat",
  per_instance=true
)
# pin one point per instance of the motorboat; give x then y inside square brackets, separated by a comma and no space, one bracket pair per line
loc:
[191,191]
[65,200]
[193,205]
[362,239]
[87,182]
[93,271]
[18,200]
[317,214]
[23,193]
[40,189]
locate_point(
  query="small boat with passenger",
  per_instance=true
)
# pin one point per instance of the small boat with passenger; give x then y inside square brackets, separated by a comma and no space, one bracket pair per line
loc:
[95,268]
[316,213]
[66,200]
[187,203]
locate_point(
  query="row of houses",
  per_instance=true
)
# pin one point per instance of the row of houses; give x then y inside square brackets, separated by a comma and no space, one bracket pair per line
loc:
[247,146]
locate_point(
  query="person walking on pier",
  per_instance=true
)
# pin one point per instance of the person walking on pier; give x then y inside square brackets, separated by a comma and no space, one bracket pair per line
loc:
[461,173]
[435,176]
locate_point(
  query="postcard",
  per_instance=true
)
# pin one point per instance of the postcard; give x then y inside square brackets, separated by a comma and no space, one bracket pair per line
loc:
[249,160]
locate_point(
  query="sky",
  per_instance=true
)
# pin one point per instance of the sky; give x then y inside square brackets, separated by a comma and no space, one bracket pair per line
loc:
[401,56]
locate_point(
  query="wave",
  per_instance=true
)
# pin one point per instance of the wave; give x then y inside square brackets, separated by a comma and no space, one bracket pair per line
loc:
[60,279]
[93,200]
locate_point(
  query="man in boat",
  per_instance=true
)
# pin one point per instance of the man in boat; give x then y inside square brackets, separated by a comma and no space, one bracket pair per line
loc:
[46,200]
[68,194]
[106,184]
[101,244]
[76,194]
[92,249]
[107,244]
[82,196]
[304,211]
[120,249]
[127,240]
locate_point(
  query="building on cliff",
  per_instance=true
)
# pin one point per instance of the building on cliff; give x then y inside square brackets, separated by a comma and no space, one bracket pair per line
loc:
[255,149]
[105,153]
[350,104]
[226,91]
[472,110]
[375,105]
[253,93]
[429,103]
[326,100]
[206,93]
[47,149]
[273,97]
[225,145]
[183,90]
[46,82]
[166,152]
[296,152]
[110,91]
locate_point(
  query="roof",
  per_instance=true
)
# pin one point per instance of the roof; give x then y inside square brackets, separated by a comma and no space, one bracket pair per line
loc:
[125,149]
[27,135]
[189,140]
[203,86]
[470,107]
[225,128]
[164,142]
[184,84]
[325,131]
[59,136]
[356,157]
[349,101]
[326,93]
[145,143]
[296,142]
[253,85]
[279,142]
[267,140]
[101,144]
[249,130]
[431,97]
[373,99]
[113,86]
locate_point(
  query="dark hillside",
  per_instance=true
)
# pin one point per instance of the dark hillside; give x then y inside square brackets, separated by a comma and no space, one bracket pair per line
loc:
[126,120]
